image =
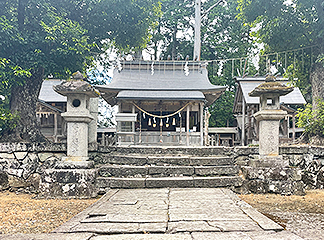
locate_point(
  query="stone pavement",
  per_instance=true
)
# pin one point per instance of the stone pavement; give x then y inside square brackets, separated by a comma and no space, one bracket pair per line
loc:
[167,214]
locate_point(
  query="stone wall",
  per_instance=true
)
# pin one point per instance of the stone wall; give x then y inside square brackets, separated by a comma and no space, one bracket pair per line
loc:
[22,164]
[29,167]
[305,170]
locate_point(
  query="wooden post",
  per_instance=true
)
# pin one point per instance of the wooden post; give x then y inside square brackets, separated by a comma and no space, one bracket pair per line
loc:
[118,129]
[140,133]
[103,139]
[201,124]
[294,127]
[55,127]
[288,126]
[187,124]
[243,122]
[133,125]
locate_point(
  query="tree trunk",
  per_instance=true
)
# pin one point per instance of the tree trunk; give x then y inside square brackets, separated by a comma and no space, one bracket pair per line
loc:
[317,81]
[21,14]
[23,101]
[174,42]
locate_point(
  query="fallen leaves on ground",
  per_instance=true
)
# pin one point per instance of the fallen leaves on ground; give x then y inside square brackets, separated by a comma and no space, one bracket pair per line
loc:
[312,202]
[302,215]
[22,213]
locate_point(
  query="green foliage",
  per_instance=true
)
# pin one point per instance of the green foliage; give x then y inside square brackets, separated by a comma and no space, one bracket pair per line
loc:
[222,109]
[65,36]
[57,38]
[172,30]
[225,37]
[282,25]
[299,78]
[312,120]
[8,121]
[321,58]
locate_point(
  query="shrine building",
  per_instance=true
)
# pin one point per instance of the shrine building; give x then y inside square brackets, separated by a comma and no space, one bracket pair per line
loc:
[161,102]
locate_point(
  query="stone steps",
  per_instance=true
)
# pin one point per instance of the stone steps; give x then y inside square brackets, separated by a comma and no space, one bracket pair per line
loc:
[173,167]
[174,182]
[165,171]
[161,160]
[168,150]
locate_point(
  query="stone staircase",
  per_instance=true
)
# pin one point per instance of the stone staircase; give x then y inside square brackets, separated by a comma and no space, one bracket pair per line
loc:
[168,167]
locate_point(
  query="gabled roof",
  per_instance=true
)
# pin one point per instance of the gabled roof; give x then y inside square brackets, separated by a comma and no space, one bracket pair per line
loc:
[246,85]
[47,94]
[169,77]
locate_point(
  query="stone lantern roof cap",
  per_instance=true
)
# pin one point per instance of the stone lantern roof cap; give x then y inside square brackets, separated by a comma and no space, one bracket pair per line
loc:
[271,87]
[76,86]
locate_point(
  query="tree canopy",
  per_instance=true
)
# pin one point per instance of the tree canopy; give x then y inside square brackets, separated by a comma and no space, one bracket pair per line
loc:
[223,36]
[283,25]
[39,38]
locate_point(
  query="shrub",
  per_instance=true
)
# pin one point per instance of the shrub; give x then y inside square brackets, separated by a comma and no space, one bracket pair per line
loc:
[312,119]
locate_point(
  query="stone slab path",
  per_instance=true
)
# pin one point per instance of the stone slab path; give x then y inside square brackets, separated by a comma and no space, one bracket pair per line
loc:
[168,214]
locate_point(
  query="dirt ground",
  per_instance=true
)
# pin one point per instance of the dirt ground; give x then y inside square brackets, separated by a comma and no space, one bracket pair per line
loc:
[22,213]
[303,215]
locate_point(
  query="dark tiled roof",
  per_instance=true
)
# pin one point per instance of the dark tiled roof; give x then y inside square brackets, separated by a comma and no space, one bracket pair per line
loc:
[47,94]
[170,79]
[162,76]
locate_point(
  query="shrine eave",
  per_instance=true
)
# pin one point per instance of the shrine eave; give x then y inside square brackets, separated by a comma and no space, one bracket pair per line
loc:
[161,95]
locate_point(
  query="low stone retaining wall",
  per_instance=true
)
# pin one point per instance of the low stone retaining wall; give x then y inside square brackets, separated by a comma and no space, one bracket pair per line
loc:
[27,167]
[305,170]
[23,164]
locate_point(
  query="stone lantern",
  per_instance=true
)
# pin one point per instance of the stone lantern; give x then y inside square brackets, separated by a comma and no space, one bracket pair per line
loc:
[269,118]
[74,175]
[77,116]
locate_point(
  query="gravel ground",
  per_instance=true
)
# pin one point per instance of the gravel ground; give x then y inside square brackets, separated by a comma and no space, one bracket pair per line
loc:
[303,215]
[22,213]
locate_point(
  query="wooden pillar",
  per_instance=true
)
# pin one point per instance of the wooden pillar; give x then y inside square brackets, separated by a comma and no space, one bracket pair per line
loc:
[133,125]
[118,129]
[55,127]
[103,139]
[180,124]
[140,133]
[243,123]
[288,119]
[252,125]
[201,124]
[187,124]
[294,127]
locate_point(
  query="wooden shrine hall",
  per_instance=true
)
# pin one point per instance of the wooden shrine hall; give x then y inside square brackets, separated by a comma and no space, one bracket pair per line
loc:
[246,106]
[161,102]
